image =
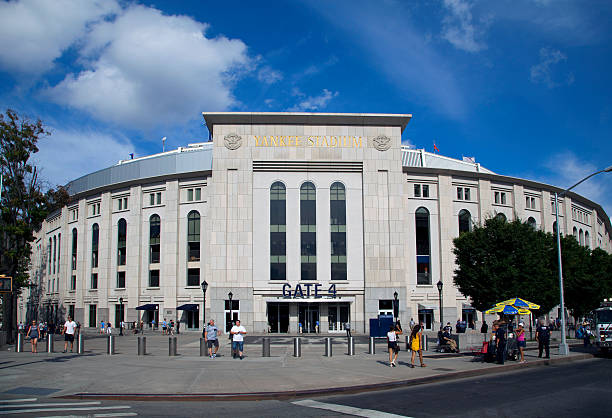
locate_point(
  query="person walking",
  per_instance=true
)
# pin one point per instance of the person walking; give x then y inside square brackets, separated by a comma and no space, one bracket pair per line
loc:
[415,344]
[543,337]
[237,332]
[521,340]
[164,327]
[393,345]
[68,331]
[33,335]
[102,327]
[211,333]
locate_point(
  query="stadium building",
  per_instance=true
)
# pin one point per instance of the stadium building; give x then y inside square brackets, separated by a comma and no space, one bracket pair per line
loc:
[311,220]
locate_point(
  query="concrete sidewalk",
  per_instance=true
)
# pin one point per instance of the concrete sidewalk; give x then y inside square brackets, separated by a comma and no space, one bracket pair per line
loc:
[159,375]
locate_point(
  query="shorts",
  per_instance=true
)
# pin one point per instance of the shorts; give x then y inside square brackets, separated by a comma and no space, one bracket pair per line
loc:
[238,345]
[69,337]
[522,343]
[392,344]
[214,342]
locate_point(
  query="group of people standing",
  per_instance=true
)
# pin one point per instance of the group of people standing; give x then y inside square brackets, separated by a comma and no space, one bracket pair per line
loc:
[69,330]
[415,342]
[211,337]
[169,328]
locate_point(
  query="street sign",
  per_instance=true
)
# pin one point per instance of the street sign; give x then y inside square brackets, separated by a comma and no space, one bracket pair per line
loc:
[6,284]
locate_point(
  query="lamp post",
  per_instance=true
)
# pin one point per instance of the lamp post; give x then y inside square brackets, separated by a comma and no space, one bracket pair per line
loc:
[439,286]
[204,287]
[395,306]
[229,296]
[121,319]
[563,348]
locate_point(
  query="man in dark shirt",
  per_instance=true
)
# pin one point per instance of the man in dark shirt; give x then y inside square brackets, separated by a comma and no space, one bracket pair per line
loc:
[500,342]
[543,337]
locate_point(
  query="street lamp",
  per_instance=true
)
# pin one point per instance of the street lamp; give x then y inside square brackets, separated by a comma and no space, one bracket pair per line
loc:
[229,296]
[204,287]
[439,286]
[395,306]
[563,348]
[121,319]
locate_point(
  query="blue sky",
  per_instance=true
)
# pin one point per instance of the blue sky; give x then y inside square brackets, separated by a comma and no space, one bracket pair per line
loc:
[523,85]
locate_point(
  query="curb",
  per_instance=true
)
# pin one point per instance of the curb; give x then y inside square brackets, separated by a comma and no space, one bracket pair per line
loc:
[284,395]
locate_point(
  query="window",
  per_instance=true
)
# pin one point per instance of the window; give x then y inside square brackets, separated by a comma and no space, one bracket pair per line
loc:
[193,277]
[500,198]
[530,202]
[581,237]
[198,194]
[121,280]
[425,190]
[95,237]
[92,316]
[190,195]
[385,307]
[417,190]
[463,193]
[73,282]
[94,209]
[94,280]
[74,249]
[422,246]
[154,240]
[308,234]
[74,214]
[501,217]
[153,278]
[532,222]
[59,252]
[158,195]
[587,239]
[460,193]
[121,242]
[465,221]
[54,252]
[278,228]
[193,236]
[152,199]
[122,203]
[338,231]
[575,233]
[466,193]
[50,254]
[231,315]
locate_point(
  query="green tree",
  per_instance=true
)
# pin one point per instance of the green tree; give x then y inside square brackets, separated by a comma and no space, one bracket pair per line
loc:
[500,260]
[23,206]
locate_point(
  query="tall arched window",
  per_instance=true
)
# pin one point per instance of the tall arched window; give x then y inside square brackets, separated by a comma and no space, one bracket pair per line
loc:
[50,255]
[421,219]
[154,238]
[308,231]
[74,249]
[337,210]
[532,222]
[575,232]
[581,237]
[193,235]
[501,217]
[465,221]
[278,228]
[95,238]
[587,239]
[121,242]
[54,252]
[59,254]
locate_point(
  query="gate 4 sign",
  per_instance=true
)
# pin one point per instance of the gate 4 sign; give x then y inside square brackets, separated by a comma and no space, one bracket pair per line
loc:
[6,284]
[308,290]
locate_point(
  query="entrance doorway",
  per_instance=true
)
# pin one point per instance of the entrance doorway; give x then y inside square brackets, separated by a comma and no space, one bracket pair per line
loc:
[337,316]
[193,319]
[469,316]
[309,317]
[278,318]
[150,316]
[426,317]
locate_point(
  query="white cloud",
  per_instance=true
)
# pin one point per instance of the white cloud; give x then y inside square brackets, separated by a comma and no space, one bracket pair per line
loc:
[458,27]
[147,69]
[269,75]
[34,33]
[543,71]
[57,165]
[313,103]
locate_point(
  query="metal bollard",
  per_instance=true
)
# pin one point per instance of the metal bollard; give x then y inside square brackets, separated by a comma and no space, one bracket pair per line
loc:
[49,343]
[110,345]
[297,347]
[372,346]
[265,347]
[351,346]
[408,343]
[19,343]
[203,349]
[424,343]
[142,346]
[80,344]
[172,346]
[328,347]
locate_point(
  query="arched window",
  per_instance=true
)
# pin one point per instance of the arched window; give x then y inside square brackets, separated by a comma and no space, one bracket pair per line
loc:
[587,239]
[50,255]
[121,242]
[278,231]
[421,219]
[501,217]
[74,249]
[54,252]
[532,222]
[59,254]
[575,232]
[95,238]
[581,237]
[465,221]
[337,210]
[154,238]
[308,231]
[193,236]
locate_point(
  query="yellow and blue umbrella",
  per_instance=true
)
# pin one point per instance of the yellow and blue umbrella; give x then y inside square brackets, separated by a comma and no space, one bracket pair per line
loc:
[508,310]
[519,303]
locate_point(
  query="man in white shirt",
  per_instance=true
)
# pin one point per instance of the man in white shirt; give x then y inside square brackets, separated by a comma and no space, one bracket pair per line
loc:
[68,331]
[238,332]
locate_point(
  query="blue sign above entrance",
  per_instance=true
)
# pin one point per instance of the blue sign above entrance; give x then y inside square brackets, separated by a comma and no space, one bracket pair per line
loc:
[308,290]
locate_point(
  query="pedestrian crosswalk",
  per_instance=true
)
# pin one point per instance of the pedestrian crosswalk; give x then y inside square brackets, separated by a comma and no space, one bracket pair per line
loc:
[25,406]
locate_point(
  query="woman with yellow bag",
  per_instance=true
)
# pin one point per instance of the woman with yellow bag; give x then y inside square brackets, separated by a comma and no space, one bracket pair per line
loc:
[416,344]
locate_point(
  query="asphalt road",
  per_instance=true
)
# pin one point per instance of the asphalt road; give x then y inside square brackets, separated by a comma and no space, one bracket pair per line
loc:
[580,389]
